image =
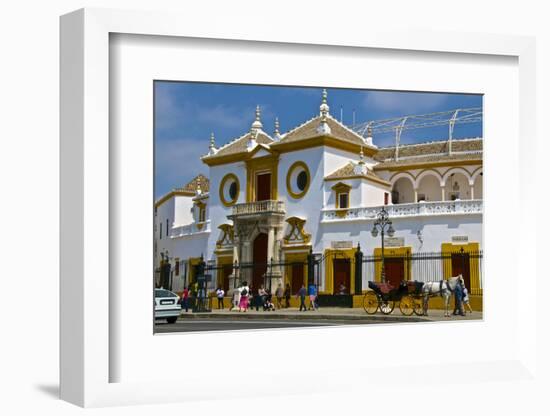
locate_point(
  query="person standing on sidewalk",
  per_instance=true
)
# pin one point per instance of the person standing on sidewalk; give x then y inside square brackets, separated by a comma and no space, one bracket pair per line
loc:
[261,297]
[312,292]
[302,294]
[466,300]
[287,296]
[185,299]
[236,298]
[459,293]
[279,296]
[220,294]
[243,302]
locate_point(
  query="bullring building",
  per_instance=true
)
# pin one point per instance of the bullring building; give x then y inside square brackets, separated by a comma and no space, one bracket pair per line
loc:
[318,189]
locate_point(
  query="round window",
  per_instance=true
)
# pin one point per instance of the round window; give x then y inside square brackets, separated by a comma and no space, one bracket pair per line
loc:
[301,180]
[229,189]
[233,190]
[298,180]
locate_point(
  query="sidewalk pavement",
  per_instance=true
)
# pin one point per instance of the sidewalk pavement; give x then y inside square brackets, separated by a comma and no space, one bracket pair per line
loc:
[332,313]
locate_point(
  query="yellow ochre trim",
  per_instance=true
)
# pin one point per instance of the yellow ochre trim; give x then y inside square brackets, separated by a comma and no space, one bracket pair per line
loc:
[366,177]
[222,261]
[227,178]
[404,251]
[294,257]
[264,164]
[302,144]
[296,165]
[443,163]
[191,262]
[475,279]
[330,255]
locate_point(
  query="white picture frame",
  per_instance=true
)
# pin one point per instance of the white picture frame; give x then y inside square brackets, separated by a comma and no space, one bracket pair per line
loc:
[86,331]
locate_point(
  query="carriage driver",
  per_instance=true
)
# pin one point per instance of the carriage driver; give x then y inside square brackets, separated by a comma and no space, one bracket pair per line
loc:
[459,293]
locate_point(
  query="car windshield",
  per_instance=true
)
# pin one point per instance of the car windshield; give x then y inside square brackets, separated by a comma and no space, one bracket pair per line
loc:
[163,293]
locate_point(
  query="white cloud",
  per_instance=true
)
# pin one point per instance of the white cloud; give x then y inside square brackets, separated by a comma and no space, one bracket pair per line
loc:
[403,102]
[178,161]
[180,115]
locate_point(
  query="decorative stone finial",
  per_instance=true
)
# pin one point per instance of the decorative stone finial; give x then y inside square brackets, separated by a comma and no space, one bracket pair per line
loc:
[199,190]
[324,128]
[257,124]
[361,167]
[212,147]
[324,108]
[368,139]
[276,133]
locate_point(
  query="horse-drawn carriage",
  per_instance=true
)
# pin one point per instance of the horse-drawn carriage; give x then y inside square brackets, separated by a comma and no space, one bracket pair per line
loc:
[383,297]
[412,296]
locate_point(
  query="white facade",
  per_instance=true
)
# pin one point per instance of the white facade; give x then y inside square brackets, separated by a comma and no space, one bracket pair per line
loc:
[433,199]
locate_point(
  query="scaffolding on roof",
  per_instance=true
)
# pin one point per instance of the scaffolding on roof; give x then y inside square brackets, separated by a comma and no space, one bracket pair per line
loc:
[410,122]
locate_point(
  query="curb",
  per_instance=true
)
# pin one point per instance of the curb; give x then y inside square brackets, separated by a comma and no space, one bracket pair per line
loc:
[306,317]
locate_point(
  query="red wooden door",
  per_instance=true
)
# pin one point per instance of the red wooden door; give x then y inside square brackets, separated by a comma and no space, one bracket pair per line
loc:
[461,265]
[297,277]
[342,275]
[259,258]
[395,270]
[263,187]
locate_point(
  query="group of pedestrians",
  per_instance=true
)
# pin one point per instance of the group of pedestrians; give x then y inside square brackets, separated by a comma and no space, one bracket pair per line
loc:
[244,297]
[312,293]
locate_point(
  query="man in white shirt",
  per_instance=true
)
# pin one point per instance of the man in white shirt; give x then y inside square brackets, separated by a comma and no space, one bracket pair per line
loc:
[220,294]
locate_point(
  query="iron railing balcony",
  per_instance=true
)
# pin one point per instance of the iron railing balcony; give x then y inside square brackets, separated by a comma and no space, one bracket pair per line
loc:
[415,209]
[190,229]
[259,208]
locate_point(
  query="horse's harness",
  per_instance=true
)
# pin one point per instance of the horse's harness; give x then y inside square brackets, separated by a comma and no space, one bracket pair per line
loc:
[446,282]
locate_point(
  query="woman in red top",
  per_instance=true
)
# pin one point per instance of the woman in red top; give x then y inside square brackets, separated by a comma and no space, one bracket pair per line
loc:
[185,299]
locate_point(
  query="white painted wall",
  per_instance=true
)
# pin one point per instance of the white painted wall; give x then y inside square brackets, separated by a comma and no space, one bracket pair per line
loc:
[182,210]
[216,211]
[309,206]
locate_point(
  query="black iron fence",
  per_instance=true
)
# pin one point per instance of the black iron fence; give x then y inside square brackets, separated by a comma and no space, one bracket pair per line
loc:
[421,266]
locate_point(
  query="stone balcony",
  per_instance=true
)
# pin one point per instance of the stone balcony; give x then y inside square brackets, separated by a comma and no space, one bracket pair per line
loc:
[260,208]
[457,207]
[190,229]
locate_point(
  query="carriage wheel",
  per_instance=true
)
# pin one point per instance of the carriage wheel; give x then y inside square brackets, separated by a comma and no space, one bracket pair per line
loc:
[370,303]
[406,305]
[418,305]
[386,306]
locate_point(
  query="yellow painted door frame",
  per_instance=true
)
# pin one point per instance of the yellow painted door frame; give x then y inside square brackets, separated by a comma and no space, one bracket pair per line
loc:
[475,279]
[404,251]
[294,257]
[330,255]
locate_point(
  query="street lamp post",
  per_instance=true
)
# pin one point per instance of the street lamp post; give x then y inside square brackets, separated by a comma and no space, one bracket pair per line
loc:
[382,222]
[165,270]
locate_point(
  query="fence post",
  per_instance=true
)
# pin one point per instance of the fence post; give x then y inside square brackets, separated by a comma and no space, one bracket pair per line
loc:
[310,275]
[358,270]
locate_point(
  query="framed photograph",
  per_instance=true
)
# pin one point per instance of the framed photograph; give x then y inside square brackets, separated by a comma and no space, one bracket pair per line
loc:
[289,198]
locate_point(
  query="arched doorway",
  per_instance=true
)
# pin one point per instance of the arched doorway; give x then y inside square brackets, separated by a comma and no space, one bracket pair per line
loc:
[259,260]
[457,186]
[403,191]
[429,187]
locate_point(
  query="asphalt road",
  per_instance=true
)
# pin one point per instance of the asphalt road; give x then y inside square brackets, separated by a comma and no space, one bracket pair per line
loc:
[194,325]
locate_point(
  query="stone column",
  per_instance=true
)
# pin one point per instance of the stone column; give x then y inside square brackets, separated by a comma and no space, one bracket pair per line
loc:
[273,273]
[234,277]
[415,195]
[443,193]
[472,192]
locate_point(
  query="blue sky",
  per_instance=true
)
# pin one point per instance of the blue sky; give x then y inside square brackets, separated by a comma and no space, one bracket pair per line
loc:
[186,114]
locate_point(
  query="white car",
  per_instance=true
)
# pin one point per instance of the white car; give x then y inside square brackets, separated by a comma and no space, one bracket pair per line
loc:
[166,305]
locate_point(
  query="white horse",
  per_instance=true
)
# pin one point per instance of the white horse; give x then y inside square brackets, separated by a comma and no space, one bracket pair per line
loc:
[443,288]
